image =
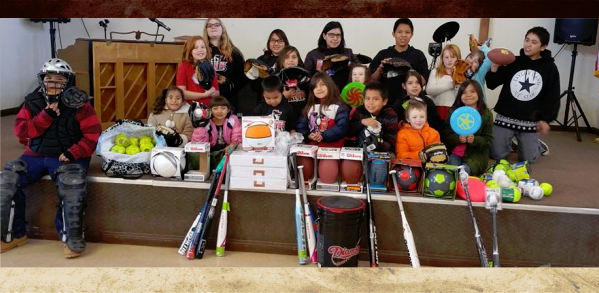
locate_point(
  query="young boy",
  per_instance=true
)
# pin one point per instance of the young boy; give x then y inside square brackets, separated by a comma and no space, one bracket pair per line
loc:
[60,130]
[528,100]
[274,103]
[416,134]
[375,122]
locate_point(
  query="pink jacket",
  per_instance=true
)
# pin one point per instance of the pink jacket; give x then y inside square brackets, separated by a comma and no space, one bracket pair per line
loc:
[231,132]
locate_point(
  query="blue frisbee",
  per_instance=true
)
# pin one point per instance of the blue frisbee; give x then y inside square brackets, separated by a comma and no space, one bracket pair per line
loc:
[465,120]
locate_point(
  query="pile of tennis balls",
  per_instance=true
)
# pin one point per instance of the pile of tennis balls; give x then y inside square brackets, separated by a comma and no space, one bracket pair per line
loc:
[516,177]
[132,145]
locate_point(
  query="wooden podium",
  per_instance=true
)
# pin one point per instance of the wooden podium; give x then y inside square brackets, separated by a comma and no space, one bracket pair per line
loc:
[124,77]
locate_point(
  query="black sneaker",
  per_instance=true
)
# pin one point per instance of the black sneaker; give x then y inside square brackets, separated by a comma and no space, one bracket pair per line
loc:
[544,148]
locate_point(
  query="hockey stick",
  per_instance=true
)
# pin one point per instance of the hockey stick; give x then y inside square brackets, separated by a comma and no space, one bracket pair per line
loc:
[372,244]
[308,215]
[480,246]
[221,238]
[407,232]
[300,224]
[205,232]
[195,238]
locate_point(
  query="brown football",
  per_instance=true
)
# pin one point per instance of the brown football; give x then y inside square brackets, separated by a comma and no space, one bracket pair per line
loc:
[501,56]
[308,164]
[328,170]
[351,171]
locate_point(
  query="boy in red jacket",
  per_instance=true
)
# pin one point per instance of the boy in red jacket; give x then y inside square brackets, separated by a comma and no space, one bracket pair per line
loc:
[59,129]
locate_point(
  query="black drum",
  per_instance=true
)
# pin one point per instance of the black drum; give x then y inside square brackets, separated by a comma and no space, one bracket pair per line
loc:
[339,231]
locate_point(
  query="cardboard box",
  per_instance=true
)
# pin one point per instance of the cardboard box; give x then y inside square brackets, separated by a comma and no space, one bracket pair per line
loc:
[398,164]
[305,150]
[354,154]
[257,133]
[375,158]
[431,167]
[258,170]
[168,162]
[198,161]
[327,154]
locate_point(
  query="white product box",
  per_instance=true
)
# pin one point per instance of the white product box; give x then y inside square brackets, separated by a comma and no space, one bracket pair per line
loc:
[258,170]
[257,133]
[198,161]
[354,154]
[168,162]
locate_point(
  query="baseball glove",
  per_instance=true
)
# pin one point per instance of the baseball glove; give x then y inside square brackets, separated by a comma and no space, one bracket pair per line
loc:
[204,74]
[434,153]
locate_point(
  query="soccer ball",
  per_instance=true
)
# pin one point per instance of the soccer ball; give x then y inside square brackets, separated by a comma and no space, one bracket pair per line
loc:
[439,182]
[408,178]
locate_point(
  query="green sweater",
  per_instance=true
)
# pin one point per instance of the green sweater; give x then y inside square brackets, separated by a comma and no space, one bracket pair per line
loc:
[477,153]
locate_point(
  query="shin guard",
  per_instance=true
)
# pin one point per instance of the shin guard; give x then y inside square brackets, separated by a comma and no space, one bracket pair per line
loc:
[71,181]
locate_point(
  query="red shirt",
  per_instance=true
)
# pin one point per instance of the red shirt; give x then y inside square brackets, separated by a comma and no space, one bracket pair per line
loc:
[185,75]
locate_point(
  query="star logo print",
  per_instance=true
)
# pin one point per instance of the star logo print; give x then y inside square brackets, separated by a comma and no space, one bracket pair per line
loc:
[526,85]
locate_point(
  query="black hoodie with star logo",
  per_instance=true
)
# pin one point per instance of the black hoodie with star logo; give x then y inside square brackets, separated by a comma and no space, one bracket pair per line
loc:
[531,88]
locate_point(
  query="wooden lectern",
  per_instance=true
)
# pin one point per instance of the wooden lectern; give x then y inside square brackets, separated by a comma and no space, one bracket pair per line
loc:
[124,77]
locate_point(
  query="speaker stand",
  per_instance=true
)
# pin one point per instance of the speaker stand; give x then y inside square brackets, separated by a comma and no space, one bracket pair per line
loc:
[572,102]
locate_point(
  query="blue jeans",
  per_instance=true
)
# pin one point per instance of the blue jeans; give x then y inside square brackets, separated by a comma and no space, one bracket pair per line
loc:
[37,167]
[456,161]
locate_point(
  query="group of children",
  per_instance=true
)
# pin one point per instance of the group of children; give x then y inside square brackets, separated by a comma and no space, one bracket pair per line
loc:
[421,118]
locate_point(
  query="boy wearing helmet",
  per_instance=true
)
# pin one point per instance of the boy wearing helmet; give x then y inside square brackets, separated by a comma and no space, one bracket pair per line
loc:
[59,129]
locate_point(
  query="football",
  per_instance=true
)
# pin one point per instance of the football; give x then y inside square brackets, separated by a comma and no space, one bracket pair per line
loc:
[308,169]
[439,182]
[351,171]
[328,170]
[501,56]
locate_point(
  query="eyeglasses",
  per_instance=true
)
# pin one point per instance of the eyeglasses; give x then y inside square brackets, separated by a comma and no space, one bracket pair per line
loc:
[332,35]
[277,41]
[213,25]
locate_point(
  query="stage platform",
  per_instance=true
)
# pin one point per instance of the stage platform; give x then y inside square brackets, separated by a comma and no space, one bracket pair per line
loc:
[560,230]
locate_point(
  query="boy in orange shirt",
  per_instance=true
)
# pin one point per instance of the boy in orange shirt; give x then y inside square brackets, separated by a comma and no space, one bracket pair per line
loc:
[416,134]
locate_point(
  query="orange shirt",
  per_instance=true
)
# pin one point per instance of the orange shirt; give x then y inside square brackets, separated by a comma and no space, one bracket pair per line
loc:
[411,141]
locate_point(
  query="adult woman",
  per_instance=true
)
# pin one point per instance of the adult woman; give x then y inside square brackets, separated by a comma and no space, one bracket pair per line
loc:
[227,60]
[330,42]
[403,30]
[194,51]
[277,41]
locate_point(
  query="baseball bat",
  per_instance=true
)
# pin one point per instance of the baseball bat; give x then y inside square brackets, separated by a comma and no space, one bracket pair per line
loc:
[300,225]
[195,238]
[308,215]
[407,232]
[205,232]
[480,246]
[372,243]
[495,245]
[221,238]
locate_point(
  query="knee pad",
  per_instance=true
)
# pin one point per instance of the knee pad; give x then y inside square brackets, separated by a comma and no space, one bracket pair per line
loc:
[16,166]
[9,183]
[71,181]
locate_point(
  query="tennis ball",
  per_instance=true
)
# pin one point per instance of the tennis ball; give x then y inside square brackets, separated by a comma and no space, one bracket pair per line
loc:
[132,150]
[118,149]
[146,146]
[493,184]
[547,188]
[134,141]
[502,167]
[517,194]
[145,139]
[121,139]
[510,174]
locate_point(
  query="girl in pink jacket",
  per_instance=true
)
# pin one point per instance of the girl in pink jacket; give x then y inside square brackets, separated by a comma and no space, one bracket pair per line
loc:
[223,131]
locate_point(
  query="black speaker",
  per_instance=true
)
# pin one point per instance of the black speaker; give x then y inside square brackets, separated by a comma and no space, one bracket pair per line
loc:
[581,31]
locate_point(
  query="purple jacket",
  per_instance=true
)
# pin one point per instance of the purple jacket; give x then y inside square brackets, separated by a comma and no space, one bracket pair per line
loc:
[231,132]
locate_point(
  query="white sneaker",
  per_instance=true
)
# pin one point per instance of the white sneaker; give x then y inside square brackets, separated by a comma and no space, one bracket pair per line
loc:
[544,148]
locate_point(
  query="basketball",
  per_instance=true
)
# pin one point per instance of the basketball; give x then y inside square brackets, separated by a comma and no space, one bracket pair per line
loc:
[408,178]
[328,170]
[351,171]
[308,169]
[501,56]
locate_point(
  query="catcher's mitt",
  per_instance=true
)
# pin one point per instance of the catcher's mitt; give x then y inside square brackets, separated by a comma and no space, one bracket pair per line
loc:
[172,138]
[204,74]
[395,67]
[461,71]
[434,153]
[255,68]
[74,97]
